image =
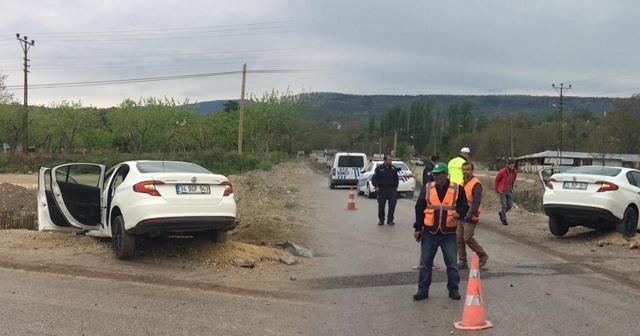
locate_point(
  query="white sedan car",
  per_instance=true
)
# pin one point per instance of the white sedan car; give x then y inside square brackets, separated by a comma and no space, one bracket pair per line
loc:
[134,198]
[407,179]
[598,197]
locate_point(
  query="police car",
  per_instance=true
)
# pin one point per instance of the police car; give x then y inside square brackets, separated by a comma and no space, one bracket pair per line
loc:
[346,169]
[406,177]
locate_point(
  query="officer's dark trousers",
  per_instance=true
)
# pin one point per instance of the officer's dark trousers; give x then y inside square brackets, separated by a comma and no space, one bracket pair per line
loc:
[385,195]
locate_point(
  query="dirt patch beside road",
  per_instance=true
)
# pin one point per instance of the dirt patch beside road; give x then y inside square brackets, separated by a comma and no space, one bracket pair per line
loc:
[273,207]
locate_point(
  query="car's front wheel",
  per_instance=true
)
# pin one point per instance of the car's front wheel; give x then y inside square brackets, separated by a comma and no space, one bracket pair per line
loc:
[123,243]
[558,226]
[369,193]
[629,223]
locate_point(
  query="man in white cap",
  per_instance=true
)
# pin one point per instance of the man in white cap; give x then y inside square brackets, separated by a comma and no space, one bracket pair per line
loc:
[455,166]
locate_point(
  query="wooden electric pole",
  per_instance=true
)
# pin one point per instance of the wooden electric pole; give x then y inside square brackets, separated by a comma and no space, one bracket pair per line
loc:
[25,120]
[244,76]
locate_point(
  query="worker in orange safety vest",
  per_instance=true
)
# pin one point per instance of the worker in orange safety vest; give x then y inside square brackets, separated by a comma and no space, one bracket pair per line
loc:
[438,209]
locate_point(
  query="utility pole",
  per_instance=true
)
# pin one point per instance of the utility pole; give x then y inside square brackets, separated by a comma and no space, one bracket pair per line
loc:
[561,89]
[244,76]
[25,120]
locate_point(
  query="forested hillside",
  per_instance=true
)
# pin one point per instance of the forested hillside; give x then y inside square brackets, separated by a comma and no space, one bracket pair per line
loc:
[356,108]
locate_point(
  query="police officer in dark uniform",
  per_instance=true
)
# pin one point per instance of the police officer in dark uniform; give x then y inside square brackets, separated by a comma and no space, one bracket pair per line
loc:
[385,180]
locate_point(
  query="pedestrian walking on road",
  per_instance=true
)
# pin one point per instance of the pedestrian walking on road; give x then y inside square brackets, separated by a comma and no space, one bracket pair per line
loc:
[504,183]
[455,165]
[467,228]
[439,207]
[385,181]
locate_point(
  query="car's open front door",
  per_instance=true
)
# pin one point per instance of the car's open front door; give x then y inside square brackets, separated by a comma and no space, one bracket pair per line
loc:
[77,189]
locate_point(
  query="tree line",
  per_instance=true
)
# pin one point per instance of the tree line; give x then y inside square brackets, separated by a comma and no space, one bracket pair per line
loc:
[284,122]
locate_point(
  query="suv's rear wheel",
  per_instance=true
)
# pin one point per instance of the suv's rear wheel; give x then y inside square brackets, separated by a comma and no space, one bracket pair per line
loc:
[558,226]
[123,243]
[629,223]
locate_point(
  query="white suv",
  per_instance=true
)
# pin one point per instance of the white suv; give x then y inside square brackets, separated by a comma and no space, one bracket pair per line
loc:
[346,169]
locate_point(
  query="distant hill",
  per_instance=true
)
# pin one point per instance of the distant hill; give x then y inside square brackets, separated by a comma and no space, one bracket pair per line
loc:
[359,108]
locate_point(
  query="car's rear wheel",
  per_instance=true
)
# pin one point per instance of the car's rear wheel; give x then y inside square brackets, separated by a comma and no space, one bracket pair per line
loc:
[123,243]
[629,223]
[331,185]
[360,192]
[558,226]
[409,194]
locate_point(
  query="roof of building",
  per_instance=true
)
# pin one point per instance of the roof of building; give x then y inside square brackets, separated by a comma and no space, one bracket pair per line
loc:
[582,155]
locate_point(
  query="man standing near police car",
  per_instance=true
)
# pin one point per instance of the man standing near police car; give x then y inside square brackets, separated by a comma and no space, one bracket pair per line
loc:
[385,181]
[439,207]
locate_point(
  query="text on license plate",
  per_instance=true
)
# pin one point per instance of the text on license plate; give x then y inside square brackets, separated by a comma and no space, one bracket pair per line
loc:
[193,189]
[575,185]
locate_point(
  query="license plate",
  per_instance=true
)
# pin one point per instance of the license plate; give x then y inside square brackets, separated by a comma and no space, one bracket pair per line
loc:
[575,185]
[193,189]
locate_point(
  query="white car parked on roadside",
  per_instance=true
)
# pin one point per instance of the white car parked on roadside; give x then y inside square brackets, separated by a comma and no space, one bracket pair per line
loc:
[135,198]
[407,179]
[598,197]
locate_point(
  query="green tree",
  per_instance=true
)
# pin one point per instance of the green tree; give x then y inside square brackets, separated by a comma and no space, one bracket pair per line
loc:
[5,95]
[271,121]
[141,123]
[69,119]
[231,105]
[11,124]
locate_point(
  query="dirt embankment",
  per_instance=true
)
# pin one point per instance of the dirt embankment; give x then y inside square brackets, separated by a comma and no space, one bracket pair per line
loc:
[273,207]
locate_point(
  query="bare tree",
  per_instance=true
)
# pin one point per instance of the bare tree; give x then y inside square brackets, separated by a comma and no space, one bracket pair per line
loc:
[5,95]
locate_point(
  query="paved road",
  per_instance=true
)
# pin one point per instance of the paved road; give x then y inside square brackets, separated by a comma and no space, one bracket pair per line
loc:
[35,303]
[362,286]
[525,292]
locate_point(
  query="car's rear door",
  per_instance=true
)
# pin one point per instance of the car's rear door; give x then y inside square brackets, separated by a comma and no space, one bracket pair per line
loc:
[545,173]
[49,216]
[77,191]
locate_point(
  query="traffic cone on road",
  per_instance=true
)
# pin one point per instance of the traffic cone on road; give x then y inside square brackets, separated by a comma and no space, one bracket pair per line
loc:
[351,203]
[473,312]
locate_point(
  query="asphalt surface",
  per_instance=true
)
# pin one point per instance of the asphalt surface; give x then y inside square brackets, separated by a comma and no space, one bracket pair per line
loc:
[362,285]
[368,278]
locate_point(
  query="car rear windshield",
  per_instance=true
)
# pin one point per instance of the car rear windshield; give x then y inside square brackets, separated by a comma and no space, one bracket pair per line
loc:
[400,165]
[604,171]
[170,167]
[350,161]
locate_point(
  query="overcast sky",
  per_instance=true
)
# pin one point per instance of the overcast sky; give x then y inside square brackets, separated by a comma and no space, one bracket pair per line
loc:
[356,47]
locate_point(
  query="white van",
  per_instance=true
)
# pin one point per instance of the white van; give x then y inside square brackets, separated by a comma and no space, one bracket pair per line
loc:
[346,169]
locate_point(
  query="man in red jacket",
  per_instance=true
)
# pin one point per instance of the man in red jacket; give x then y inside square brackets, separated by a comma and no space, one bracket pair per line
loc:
[504,182]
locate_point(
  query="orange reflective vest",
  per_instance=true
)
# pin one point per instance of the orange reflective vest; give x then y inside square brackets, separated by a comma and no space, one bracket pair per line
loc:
[468,189]
[437,214]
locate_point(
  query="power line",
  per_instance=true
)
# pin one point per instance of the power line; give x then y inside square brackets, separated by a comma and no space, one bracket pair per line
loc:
[147,79]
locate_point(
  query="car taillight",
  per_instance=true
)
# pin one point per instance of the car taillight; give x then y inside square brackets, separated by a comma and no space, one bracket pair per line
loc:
[408,175]
[147,187]
[228,188]
[550,184]
[333,172]
[607,186]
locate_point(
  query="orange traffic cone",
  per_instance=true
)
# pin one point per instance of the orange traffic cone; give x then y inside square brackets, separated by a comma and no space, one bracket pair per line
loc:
[473,313]
[351,203]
